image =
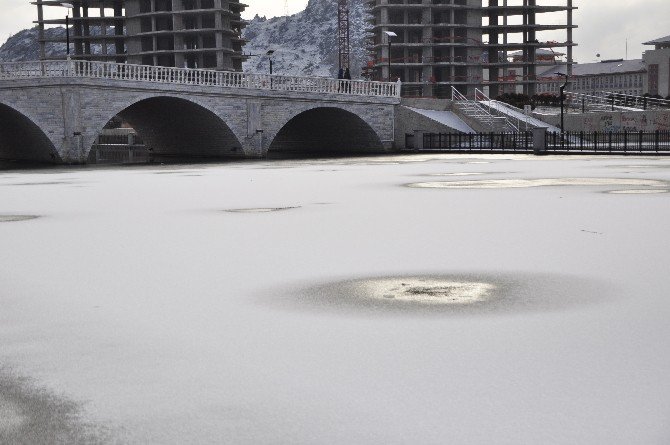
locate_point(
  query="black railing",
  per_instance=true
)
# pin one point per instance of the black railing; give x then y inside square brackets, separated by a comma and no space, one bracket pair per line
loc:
[569,142]
[479,142]
[610,142]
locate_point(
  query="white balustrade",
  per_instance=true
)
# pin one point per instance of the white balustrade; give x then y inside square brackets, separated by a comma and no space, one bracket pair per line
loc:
[186,76]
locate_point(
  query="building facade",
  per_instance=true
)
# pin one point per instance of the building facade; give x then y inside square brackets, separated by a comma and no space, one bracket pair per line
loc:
[174,33]
[626,77]
[657,61]
[464,43]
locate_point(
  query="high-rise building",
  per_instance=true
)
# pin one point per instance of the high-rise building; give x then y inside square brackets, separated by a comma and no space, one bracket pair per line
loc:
[175,33]
[465,43]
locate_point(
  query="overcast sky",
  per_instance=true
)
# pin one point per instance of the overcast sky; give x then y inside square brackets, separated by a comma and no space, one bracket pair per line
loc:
[604,24]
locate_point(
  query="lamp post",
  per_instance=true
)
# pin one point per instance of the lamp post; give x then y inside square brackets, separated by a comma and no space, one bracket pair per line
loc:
[67,27]
[562,89]
[389,36]
[269,54]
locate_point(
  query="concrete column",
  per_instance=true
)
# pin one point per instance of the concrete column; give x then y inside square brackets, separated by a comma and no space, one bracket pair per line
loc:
[40,32]
[570,49]
[73,150]
[77,29]
[87,30]
[103,29]
[118,31]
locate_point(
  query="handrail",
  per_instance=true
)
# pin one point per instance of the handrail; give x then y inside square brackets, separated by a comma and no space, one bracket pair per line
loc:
[475,110]
[196,77]
[509,121]
[610,100]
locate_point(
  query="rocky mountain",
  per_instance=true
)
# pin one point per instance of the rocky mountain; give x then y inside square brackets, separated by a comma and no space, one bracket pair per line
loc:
[23,45]
[305,43]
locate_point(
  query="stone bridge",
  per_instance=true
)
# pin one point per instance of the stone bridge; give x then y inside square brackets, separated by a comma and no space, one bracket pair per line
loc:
[54,111]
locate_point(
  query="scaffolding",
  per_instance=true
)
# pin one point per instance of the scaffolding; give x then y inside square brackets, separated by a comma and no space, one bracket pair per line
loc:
[343,34]
[468,44]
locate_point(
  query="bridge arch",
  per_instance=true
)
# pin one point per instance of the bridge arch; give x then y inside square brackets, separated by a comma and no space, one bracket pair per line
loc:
[180,127]
[322,131]
[22,139]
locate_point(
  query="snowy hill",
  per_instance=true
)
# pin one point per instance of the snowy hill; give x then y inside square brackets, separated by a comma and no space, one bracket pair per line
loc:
[305,43]
[23,45]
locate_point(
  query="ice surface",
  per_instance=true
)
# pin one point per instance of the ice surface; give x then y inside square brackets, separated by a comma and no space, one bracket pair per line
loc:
[165,319]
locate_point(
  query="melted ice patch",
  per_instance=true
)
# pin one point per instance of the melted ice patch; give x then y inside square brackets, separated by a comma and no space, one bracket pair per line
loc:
[530,183]
[16,218]
[427,290]
[260,210]
[638,192]
[10,415]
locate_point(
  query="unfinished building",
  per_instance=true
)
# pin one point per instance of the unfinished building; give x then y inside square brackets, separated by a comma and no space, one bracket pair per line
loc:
[432,45]
[173,33]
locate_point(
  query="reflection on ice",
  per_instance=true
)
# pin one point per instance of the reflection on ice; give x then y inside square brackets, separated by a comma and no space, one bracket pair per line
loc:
[528,183]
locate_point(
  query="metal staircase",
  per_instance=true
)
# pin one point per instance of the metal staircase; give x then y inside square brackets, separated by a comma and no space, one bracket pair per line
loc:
[482,115]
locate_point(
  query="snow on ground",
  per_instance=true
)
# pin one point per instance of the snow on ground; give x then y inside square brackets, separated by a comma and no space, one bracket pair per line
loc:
[161,304]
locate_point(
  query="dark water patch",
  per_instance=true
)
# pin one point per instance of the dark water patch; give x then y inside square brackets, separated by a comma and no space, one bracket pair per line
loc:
[40,183]
[445,295]
[32,415]
[16,218]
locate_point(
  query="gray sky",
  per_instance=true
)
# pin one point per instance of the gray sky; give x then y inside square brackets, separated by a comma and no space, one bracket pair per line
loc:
[604,24]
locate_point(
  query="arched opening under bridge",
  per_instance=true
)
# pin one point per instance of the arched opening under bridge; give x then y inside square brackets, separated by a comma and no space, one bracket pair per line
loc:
[325,132]
[21,139]
[165,128]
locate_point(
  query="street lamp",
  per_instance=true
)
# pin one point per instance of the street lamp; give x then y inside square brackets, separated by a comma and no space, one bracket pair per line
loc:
[269,54]
[562,89]
[67,26]
[389,36]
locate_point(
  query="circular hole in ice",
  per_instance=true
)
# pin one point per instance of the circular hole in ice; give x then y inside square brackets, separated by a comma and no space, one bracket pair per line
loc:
[457,294]
[431,291]
[529,183]
[16,218]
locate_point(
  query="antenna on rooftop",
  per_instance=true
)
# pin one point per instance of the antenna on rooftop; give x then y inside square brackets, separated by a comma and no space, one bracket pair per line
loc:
[286,13]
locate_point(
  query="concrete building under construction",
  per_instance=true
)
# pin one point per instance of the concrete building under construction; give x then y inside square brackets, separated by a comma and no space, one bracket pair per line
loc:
[175,33]
[466,43]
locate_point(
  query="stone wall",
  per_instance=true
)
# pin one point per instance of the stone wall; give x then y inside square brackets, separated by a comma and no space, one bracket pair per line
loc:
[71,113]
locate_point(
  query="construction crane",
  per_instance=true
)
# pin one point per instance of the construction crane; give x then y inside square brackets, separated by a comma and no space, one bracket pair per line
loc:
[343,33]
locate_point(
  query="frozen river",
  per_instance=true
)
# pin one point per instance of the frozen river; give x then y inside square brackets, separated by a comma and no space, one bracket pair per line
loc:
[389,300]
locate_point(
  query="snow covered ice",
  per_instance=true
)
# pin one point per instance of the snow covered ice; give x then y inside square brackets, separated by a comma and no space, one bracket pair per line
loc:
[325,301]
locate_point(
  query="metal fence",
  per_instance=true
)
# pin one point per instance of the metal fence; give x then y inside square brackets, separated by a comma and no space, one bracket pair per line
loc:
[479,142]
[610,142]
[657,142]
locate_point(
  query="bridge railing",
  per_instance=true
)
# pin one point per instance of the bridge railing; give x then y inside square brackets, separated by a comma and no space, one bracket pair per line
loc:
[198,77]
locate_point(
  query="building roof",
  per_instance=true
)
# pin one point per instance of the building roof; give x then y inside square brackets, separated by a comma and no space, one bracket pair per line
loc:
[539,52]
[659,41]
[599,68]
